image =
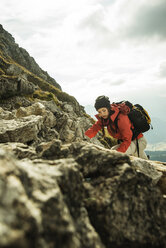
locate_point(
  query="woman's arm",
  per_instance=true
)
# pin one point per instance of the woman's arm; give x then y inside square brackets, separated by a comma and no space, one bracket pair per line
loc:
[92,131]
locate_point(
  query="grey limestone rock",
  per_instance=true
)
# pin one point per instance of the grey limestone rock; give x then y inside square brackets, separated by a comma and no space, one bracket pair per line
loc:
[15,86]
[20,130]
[40,207]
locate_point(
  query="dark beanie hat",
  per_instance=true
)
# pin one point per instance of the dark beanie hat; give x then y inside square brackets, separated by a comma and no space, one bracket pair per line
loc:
[102,102]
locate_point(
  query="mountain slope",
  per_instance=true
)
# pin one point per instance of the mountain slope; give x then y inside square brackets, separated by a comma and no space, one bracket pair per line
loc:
[19,71]
[11,50]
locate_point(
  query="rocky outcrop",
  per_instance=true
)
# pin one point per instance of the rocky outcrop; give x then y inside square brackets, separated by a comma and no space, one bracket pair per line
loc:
[15,86]
[122,201]
[22,57]
[36,123]
[72,193]
[21,76]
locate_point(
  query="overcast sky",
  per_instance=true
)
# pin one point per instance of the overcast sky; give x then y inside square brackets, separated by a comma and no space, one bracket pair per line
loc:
[96,47]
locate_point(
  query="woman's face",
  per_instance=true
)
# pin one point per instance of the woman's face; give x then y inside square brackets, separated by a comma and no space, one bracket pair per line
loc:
[103,112]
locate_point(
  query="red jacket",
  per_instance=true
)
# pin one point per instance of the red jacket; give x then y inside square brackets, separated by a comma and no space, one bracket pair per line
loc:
[123,132]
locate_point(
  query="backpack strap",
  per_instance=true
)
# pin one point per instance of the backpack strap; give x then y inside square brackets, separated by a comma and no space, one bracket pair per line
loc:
[116,122]
[137,144]
[135,133]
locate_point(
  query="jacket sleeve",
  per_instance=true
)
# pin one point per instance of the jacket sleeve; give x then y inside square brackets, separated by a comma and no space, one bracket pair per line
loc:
[92,131]
[124,126]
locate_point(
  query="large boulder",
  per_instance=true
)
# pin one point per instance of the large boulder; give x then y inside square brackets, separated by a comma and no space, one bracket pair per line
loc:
[124,204]
[15,86]
[27,124]
[20,130]
[78,195]
[42,205]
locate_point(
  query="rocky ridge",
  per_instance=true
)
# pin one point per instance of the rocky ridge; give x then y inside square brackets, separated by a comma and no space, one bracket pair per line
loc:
[58,188]
[12,50]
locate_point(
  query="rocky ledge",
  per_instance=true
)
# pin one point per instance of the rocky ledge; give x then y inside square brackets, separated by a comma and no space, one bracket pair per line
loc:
[59,190]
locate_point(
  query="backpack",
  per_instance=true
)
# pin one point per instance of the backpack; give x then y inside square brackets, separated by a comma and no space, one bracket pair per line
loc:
[138,116]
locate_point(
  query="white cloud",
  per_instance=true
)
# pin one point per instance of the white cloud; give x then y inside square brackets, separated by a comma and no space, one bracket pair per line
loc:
[162,70]
[149,20]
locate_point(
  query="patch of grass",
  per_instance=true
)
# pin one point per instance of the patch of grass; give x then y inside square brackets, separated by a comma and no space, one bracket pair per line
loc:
[45,86]
[2,45]
[18,105]
[45,95]
[9,76]
[1,72]
[108,141]
[4,63]
[41,83]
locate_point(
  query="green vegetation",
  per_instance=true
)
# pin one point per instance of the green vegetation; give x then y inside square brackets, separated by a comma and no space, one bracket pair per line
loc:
[9,76]
[55,93]
[1,72]
[45,86]
[45,96]
[108,141]
[4,63]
